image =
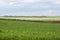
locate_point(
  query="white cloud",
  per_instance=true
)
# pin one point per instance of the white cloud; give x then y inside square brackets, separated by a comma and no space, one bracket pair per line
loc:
[2,3]
[29,1]
[38,7]
[22,3]
[50,11]
[56,1]
[11,3]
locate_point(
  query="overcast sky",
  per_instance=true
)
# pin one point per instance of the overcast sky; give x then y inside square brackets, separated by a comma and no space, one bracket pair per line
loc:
[30,7]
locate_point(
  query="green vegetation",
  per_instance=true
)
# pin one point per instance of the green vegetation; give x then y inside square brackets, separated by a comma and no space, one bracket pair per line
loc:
[20,30]
[35,19]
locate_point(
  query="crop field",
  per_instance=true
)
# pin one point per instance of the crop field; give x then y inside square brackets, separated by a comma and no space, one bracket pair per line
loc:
[23,30]
[38,19]
[44,19]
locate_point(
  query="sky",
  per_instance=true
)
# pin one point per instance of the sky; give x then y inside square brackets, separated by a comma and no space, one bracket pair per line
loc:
[30,7]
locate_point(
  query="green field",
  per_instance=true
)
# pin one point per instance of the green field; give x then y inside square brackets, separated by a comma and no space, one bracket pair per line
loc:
[20,30]
[33,18]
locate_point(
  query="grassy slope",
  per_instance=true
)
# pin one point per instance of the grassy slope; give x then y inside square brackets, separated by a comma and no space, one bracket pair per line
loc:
[28,30]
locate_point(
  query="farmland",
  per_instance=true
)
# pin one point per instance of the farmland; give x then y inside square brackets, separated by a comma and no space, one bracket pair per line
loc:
[23,30]
[38,19]
[42,19]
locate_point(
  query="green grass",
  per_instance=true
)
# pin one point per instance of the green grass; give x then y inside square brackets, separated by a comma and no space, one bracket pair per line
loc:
[19,30]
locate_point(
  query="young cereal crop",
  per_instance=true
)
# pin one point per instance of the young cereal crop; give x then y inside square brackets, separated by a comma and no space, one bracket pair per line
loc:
[22,30]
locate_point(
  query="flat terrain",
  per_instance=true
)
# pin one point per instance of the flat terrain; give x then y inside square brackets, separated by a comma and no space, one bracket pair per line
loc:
[36,19]
[22,30]
[33,19]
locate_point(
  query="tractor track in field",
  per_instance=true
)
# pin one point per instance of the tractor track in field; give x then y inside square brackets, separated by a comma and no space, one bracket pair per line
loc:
[55,22]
